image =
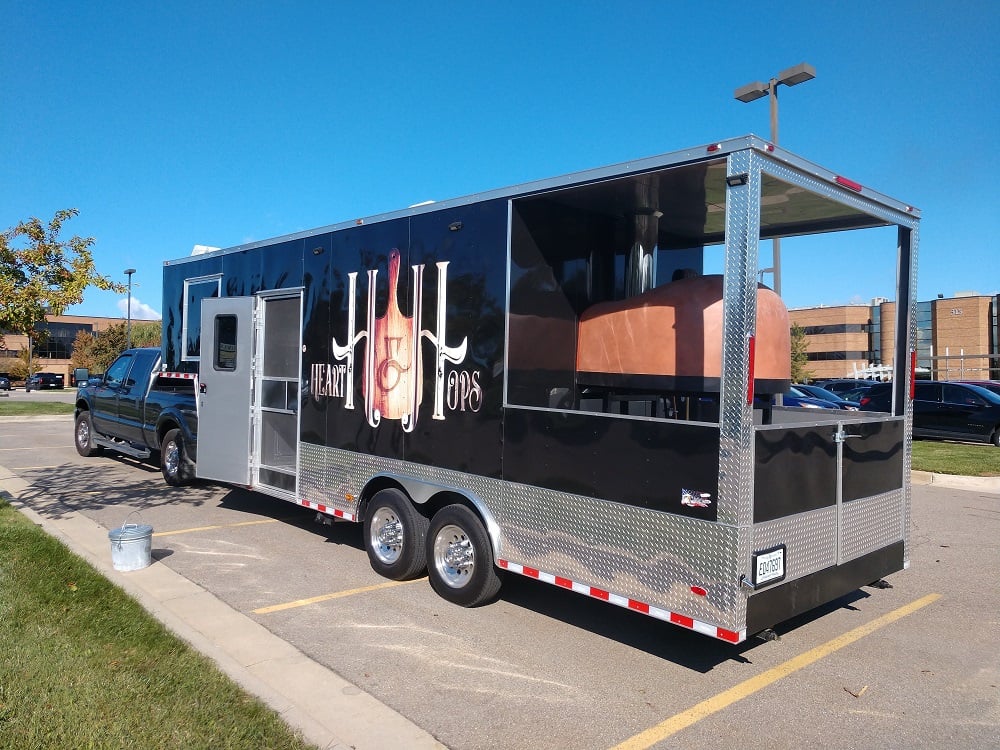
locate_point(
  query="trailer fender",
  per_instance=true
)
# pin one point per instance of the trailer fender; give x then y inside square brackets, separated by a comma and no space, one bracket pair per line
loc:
[425,494]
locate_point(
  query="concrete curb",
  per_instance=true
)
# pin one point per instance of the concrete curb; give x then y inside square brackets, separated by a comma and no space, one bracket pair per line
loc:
[325,708]
[953,481]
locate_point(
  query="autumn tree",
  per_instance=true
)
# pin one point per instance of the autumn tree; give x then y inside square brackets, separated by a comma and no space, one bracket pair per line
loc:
[97,352]
[42,273]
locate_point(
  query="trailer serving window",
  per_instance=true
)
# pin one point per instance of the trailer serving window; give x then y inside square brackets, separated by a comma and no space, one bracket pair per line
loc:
[617,287]
[598,247]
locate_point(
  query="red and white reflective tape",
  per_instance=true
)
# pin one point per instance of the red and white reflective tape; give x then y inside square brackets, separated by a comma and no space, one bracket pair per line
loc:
[329,511]
[179,375]
[730,636]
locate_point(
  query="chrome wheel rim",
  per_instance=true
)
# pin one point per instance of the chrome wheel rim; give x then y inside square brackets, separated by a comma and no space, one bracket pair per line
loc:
[386,536]
[83,433]
[454,556]
[171,458]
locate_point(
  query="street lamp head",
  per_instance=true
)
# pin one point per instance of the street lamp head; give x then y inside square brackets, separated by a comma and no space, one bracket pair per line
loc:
[751,91]
[797,74]
[129,271]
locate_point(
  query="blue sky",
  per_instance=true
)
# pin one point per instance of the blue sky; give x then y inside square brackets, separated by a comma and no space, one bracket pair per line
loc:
[174,124]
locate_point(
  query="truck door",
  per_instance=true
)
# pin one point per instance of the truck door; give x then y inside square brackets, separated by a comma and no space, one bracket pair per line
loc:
[226,397]
[132,395]
[104,401]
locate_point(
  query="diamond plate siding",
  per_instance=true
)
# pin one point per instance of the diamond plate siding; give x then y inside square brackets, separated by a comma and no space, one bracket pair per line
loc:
[871,524]
[810,538]
[646,555]
[650,556]
[739,321]
[908,432]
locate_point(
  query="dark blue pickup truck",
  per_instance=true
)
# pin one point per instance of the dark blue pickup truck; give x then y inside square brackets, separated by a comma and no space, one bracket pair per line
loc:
[136,409]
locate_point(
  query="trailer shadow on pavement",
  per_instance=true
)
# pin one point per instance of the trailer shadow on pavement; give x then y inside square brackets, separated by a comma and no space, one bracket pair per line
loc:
[682,647]
[102,492]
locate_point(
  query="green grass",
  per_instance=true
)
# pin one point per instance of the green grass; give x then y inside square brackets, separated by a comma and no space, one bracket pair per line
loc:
[942,457]
[10,408]
[83,665]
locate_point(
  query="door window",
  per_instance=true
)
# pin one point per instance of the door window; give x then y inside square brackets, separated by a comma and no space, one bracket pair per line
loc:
[224,357]
[117,371]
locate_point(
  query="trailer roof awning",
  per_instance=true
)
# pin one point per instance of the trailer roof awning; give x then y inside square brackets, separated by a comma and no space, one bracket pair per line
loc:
[690,202]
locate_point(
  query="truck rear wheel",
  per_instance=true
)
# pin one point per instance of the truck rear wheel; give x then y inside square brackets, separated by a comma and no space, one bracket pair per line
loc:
[460,558]
[175,465]
[83,436]
[395,535]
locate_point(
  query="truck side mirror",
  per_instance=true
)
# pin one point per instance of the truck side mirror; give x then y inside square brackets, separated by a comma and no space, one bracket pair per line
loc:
[81,375]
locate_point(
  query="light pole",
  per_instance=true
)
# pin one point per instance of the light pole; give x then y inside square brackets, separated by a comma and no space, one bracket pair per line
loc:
[128,334]
[795,75]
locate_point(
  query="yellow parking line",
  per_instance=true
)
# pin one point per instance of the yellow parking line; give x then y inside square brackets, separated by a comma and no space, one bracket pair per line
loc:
[726,698]
[219,526]
[335,595]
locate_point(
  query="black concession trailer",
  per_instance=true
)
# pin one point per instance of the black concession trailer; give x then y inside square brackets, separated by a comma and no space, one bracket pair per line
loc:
[552,380]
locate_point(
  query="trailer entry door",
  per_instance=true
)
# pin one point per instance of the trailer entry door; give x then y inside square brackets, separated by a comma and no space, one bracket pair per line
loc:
[224,404]
[276,411]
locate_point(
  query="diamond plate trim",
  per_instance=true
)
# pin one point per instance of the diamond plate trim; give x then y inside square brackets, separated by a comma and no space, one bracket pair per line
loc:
[810,538]
[642,554]
[872,523]
[645,555]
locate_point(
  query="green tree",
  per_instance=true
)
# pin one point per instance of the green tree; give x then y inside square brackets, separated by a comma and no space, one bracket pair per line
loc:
[800,355]
[43,274]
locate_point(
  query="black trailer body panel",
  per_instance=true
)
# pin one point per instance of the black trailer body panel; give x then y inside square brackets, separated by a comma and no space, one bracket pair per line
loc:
[641,462]
[439,353]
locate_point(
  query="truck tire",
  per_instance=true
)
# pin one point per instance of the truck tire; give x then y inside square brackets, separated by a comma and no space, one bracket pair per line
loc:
[996,437]
[175,464]
[83,436]
[395,536]
[460,558]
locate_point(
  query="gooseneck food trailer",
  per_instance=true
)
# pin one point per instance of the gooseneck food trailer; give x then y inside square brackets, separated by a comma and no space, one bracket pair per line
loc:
[553,380]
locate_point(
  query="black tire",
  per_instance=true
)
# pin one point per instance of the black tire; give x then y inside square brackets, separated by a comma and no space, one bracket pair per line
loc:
[996,437]
[83,436]
[395,536]
[460,558]
[175,464]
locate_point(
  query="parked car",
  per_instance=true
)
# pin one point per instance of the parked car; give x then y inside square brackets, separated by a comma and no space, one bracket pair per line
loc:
[42,380]
[4,383]
[839,385]
[855,394]
[990,385]
[816,391]
[956,411]
[801,399]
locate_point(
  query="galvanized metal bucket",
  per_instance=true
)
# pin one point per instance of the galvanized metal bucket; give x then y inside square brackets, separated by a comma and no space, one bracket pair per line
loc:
[131,546]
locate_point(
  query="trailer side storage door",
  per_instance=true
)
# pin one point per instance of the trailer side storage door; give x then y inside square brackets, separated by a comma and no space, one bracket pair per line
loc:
[224,404]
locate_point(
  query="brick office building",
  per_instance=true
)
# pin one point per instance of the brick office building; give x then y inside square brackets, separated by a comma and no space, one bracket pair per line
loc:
[957,337]
[53,354]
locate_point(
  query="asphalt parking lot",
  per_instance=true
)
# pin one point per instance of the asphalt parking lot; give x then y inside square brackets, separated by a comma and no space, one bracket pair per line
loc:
[914,666]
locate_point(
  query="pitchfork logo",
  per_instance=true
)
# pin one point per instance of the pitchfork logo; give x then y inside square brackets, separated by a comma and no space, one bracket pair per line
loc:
[392,375]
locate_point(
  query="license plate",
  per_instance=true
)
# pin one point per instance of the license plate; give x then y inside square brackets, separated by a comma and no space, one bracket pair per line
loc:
[769,566]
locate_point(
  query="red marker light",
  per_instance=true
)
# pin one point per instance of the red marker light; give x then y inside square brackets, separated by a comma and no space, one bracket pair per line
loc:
[699,591]
[753,347]
[849,184]
[913,374]
[714,147]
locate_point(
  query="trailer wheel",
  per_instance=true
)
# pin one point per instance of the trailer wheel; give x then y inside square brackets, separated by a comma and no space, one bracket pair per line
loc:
[460,558]
[395,534]
[175,464]
[83,436]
